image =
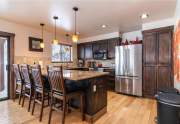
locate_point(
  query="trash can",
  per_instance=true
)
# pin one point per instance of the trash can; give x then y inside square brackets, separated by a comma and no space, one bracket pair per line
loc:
[168,108]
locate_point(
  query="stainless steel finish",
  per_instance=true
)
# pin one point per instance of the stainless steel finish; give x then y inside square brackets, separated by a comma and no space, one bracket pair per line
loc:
[128,61]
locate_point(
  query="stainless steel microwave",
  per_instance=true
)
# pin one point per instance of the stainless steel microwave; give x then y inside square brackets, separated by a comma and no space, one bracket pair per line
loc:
[100,55]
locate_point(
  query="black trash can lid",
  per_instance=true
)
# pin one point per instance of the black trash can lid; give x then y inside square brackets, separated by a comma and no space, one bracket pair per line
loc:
[168,90]
[169,98]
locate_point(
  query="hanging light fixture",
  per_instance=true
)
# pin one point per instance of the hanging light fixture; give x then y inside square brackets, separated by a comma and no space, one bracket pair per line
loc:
[42,43]
[75,36]
[55,41]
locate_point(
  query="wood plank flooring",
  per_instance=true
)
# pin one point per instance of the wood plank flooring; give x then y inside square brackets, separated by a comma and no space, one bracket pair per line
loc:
[121,109]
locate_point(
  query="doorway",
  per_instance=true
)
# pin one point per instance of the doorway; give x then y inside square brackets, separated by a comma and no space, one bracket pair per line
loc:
[4,62]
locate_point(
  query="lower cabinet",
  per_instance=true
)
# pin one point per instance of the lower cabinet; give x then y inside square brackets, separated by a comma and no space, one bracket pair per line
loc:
[164,79]
[149,81]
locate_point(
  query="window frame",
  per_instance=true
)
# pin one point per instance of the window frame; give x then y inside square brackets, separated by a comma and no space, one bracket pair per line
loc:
[71,49]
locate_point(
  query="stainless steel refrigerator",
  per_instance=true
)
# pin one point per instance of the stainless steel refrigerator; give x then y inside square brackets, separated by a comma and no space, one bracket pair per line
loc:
[128,62]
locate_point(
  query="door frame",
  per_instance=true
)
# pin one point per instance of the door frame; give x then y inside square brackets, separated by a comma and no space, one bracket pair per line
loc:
[11,85]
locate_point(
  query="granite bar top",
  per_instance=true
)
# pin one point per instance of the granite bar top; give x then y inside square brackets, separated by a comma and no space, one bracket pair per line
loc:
[77,75]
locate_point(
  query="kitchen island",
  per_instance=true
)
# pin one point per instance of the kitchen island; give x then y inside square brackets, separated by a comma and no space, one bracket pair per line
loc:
[94,85]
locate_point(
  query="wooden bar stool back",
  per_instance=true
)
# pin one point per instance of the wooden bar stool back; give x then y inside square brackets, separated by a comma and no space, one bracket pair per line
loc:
[19,82]
[28,90]
[58,91]
[40,92]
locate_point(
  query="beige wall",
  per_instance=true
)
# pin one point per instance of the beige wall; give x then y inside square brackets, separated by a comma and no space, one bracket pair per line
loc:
[22,32]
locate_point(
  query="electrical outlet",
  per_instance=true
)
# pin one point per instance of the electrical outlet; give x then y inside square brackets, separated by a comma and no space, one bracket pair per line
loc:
[94,88]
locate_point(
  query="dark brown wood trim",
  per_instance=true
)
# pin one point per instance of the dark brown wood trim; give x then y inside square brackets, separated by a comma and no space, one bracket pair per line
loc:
[10,36]
[158,29]
[92,118]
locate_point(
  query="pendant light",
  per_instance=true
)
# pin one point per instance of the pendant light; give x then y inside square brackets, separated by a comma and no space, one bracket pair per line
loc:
[42,43]
[55,41]
[75,36]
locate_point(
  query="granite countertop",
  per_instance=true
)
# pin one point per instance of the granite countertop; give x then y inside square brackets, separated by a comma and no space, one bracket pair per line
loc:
[77,75]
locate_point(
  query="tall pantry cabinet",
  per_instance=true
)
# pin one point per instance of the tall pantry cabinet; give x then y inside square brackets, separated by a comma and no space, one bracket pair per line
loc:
[157,60]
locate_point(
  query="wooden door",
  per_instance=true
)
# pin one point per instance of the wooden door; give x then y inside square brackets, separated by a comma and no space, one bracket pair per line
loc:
[88,51]
[80,49]
[149,48]
[149,81]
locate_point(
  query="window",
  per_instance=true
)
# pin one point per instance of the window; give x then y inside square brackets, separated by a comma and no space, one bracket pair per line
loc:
[61,53]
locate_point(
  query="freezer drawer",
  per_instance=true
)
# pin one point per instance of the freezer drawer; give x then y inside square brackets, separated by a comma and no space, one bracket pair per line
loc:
[128,85]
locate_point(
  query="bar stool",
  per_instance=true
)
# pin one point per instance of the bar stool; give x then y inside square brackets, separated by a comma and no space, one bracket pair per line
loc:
[58,91]
[40,88]
[19,82]
[28,86]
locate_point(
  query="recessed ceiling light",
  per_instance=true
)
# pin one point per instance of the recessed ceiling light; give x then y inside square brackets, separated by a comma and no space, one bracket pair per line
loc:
[144,16]
[104,26]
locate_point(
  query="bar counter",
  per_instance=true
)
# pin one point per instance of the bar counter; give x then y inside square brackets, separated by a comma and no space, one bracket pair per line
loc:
[94,85]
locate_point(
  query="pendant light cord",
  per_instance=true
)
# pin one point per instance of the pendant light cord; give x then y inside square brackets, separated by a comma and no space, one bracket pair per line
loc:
[42,32]
[75,23]
[55,29]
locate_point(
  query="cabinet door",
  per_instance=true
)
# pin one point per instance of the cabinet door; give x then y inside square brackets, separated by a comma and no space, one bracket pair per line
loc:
[164,77]
[88,51]
[112,43]
[95,46]
[149,81]
[149,48]
[103,45]
[164,47]
[80,49]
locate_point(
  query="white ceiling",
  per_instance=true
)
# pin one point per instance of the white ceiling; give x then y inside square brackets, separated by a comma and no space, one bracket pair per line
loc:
[118,15]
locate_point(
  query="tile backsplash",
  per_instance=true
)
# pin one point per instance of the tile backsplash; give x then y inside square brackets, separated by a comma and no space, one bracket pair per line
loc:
[105,63]
[43,61]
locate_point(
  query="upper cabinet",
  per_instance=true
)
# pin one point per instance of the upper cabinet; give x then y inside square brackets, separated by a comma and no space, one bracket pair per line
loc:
[112,43]
[86,50]
[80,51]
[99,45]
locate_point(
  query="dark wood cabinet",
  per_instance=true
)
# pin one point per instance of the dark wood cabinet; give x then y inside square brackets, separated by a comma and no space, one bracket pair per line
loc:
[149,81]
[96,95]
[88,51]
[112,43]
[157,60]
[100,45]
[149,48]
[80,51]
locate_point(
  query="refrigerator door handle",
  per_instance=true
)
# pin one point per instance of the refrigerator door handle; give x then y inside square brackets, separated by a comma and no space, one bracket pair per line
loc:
[128,77]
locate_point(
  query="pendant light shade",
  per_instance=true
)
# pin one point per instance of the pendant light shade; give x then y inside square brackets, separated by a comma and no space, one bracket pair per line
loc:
[55,41]
[75,37]
[42,43]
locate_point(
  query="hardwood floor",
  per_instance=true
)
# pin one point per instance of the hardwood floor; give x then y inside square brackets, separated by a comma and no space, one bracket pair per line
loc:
[121,109]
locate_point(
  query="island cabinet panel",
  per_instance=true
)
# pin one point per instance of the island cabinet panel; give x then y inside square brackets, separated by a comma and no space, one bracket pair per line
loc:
[157,60]
[80,51]
[88,51]
[96,95]
[112,43]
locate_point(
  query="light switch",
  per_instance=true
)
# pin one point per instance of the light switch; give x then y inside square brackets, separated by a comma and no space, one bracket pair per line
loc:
[94,88]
